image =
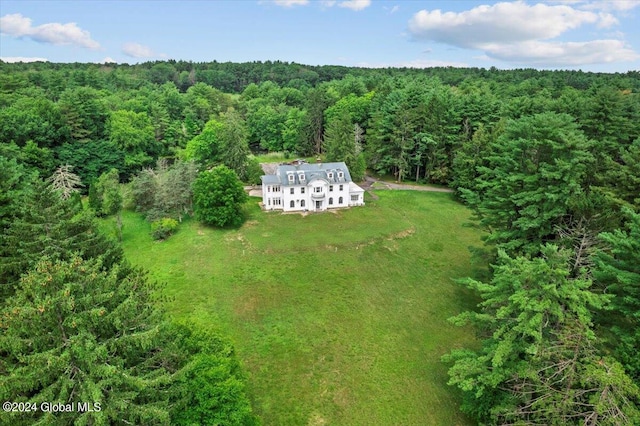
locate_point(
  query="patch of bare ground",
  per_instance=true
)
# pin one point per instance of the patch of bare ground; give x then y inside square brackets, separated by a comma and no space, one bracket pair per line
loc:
[316,420]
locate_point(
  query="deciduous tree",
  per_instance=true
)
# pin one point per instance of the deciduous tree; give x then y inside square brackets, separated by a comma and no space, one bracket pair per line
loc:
[218,197]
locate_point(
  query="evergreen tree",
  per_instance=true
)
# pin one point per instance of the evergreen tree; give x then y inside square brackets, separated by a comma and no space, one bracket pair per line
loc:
[78,332]
[51,227]
[618,270]
[534,171]
[538,363]
[14,181]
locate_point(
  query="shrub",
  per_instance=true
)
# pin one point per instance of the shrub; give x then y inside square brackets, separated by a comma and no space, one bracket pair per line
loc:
[163,228]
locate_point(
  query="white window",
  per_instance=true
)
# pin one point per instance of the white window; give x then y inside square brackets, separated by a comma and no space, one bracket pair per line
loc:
[301,203]
[330,175]
[330,201]
[277,201]
[340,200]
[292,190]
[340,175]
[302,190]
[276,189]
[341,186]
[269,188]
[317,189]
[301,177]
[291,177]
[330,188]
[292,204]
[355,197]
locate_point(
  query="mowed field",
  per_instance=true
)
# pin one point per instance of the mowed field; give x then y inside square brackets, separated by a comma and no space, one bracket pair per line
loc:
[338,318]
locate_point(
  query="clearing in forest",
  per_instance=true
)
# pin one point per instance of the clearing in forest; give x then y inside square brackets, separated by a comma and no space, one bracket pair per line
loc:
[339,319]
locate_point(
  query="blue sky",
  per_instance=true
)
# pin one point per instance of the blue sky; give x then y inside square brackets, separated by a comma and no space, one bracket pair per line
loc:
[568,34]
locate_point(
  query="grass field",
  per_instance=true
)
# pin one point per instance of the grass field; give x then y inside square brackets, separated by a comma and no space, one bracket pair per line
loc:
[338,318]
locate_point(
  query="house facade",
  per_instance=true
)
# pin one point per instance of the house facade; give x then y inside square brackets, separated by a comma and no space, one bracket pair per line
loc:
[310,187]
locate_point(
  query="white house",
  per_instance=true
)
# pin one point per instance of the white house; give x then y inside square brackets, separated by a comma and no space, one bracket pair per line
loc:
[310,187]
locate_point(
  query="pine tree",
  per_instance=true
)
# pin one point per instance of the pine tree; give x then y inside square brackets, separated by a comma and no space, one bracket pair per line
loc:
[74,332]
[535,169]
[618,270]
[78,332]
[538,363]
[52,227]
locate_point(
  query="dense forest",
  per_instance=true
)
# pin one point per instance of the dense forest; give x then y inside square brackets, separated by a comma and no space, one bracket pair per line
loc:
[548,161]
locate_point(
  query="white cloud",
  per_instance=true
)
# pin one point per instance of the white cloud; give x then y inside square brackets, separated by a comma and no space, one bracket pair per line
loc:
[136,50]
[522,33]
[563,53]
[348,4]
[607,20]
[608,5]
[355,4]
[290,3]
[502,22]
[17,25]
[108,60]
[14,59]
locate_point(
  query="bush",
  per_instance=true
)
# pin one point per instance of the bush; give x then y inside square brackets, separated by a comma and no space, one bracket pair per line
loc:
[163,228]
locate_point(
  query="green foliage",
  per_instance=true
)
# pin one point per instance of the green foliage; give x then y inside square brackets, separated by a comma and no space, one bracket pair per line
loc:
[254,171]
[76,332]
[84,112]
[618,270]
[51,227]
[210,388]
[14,181]
[91,159]
[206,148]
[472,155]
[538,363]
[162,229]
[235,147]
[165,191]
[534,169]
[218,196]
[33,119]
[40,159]
[105,195]
[133,133]
[144,187]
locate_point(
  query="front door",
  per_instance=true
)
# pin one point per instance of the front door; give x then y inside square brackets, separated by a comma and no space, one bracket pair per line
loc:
[318,205]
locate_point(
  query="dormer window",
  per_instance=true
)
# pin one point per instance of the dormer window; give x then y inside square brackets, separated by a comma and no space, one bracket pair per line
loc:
[330,175]
[301,177]
[340,175]
[291,177]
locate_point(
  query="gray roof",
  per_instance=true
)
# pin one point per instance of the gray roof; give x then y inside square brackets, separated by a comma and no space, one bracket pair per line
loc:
[310,171]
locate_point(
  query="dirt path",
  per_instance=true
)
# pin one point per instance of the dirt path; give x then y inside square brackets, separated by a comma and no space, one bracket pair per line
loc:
[372,183]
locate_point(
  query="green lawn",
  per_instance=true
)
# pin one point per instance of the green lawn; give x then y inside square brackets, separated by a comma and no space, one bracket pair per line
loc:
[279,157]
[338,318]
